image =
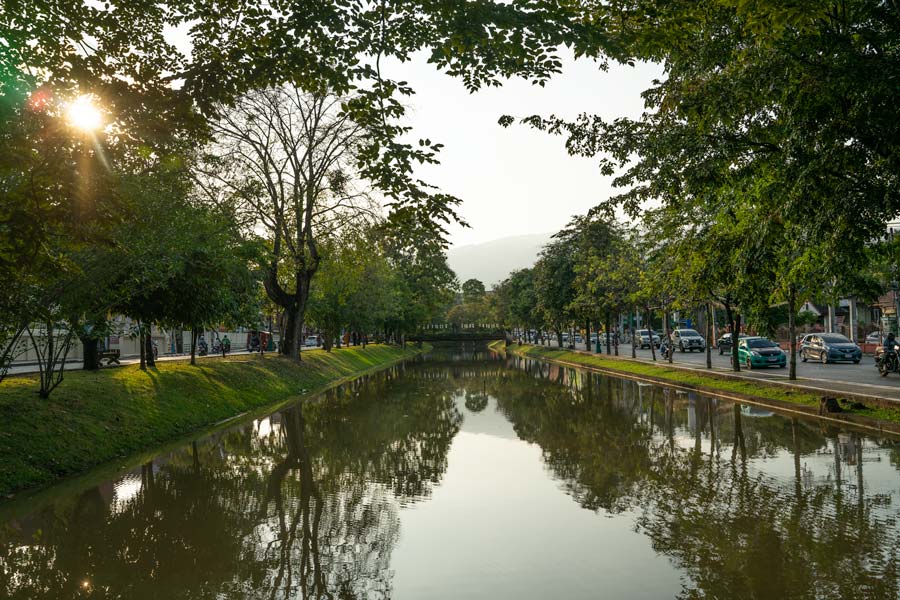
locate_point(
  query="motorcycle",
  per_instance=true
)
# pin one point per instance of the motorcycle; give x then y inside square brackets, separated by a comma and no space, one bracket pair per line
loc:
[887,359]
[665,349]
[202,348]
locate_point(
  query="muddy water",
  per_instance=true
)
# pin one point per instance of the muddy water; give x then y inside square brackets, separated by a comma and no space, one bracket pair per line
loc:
[465,475]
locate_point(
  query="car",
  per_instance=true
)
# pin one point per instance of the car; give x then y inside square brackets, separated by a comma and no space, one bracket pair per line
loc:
[830,347]
[760,352]
[803,340]
[724,342]
[311,341]
[579,339]
[688,340]
[642,338]
[874,338]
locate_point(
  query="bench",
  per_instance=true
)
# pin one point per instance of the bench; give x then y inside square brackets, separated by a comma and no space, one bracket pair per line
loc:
[111,356]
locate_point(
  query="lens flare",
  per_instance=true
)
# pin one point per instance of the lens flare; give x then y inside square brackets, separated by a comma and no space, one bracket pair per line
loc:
[83,114]
[39,100]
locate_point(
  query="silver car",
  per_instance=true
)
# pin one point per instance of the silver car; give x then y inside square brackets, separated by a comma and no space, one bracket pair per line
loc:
[874,338]
[688,340]
[642,338]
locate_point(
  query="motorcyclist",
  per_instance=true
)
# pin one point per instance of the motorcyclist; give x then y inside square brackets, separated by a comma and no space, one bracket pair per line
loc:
[226,344]
[665,346]
[887,361]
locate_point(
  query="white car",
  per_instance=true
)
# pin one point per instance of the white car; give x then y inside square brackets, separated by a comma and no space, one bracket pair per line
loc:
[310,341]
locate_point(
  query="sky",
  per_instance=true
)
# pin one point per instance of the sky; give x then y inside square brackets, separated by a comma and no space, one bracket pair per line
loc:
[515,180]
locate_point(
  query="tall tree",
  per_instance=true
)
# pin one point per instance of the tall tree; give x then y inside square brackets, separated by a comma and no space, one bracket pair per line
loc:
[554,276]
[289,160]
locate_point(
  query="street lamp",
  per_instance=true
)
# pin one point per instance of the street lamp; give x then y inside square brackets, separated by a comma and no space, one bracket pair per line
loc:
[83,114]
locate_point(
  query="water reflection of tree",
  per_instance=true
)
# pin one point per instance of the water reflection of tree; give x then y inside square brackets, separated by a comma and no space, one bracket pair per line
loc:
[309,509]
[684,463]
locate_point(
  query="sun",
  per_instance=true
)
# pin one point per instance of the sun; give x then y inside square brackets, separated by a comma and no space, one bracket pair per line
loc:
[83,114]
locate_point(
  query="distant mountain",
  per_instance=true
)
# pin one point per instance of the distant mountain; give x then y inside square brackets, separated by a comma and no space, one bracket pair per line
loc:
[491,262]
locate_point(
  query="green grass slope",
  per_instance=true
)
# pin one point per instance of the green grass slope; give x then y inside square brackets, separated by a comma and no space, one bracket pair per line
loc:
[95,417]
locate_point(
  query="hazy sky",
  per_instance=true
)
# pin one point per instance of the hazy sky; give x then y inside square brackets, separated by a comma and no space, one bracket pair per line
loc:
[512,180]
[517,180]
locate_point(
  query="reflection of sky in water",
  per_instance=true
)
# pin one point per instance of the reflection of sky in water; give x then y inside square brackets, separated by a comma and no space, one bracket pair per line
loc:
[498,527]
[127,488]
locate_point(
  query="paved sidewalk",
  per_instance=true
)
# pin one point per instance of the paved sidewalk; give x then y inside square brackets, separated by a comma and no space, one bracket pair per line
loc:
[75,365]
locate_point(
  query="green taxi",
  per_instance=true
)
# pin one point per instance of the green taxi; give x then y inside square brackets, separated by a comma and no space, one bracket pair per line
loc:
[761,352]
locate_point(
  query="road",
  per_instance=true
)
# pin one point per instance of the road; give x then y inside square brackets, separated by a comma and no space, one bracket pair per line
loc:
[835,377]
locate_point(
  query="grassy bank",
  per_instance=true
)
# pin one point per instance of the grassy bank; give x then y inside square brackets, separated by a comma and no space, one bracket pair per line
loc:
[775,394]
[95,417]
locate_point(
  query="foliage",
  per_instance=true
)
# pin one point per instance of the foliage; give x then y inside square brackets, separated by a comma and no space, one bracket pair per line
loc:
[354,289]
[554,276]
[472,291]
[424,284]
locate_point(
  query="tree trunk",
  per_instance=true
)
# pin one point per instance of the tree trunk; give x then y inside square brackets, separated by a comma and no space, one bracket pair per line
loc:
[649,329]
[148,349]
[195,333]
[709,335]
[141,346]
[616,333]
[608,335]
[91,351]
[792,332]
[668,333]
[287,336]
[735,340]
[559,338]
[587,335]
[296,331]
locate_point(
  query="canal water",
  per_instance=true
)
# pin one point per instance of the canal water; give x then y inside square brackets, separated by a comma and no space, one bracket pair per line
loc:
[468,475]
